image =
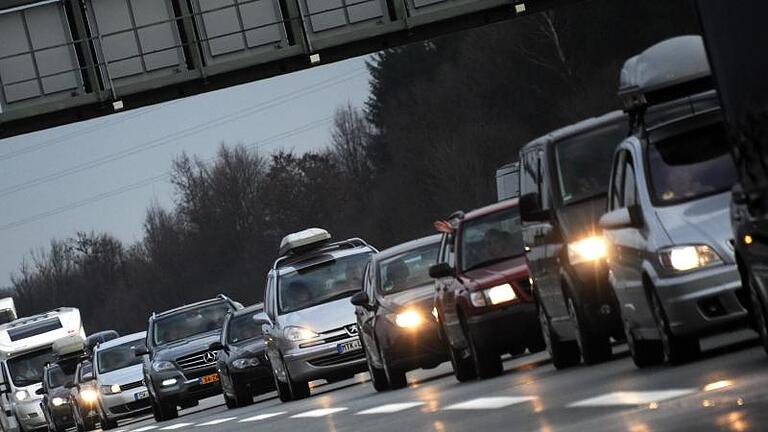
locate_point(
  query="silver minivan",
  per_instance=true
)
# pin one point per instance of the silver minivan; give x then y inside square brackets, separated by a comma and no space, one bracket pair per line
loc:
[312,333]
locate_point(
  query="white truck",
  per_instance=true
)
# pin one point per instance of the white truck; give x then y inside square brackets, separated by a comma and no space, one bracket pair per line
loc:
[25,348]
[7,310]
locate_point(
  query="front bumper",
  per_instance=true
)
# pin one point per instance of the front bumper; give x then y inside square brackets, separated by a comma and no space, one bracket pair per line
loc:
[128,403]
[257,379]
[30,414]
[702,302]
[324,361]
[501,329]
[62,415]
[408,349]
[186,389]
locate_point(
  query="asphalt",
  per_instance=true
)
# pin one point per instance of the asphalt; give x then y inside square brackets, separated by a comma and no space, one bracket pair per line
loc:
[725,390]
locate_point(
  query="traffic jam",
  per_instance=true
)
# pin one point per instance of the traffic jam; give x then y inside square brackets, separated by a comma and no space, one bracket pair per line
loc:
[617,233]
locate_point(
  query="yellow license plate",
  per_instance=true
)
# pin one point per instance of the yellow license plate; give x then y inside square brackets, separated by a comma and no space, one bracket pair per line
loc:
[212,378]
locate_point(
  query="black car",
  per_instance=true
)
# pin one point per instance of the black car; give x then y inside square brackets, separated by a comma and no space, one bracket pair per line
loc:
[85,397]
[179,366]
[243,365]
[395,316]
[57,401]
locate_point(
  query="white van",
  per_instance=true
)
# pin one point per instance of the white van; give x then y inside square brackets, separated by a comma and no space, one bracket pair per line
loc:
[25,348]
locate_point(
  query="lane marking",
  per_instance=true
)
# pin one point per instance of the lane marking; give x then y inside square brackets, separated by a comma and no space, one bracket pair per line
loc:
[217,421]
[261,417]
[322,412]
[146,428]
[176,426]
[485,403]
[391,408]
[632,398]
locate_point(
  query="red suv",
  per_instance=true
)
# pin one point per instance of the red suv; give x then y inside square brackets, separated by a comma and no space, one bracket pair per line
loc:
[483,295]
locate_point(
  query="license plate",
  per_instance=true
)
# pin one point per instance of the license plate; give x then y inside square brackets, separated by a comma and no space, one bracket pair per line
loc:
[212,378]
[346,347]
[141,395]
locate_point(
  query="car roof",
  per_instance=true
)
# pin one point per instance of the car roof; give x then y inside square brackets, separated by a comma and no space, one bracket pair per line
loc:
[121,340]
[493,208]
[258,307]
[191,306]
[339,248]
[408,246]
[575,129]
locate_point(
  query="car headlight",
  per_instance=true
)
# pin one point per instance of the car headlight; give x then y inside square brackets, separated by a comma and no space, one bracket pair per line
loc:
[588,249]
[296,334]
[409,319]
[89,395]
[111,389]
[162,366]
[499,294]
[21,395]
[246,363]
[57,401]
[685,258]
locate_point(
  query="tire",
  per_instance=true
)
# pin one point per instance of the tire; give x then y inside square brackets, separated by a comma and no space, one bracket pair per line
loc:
[758,313]
[291,390]
[463,367]
[395,377]
[162,411]
[677,349]
[243,396]
[644,353]
[230,402]
[378,376]
[594,343]
[564,354]
[283,390]
[487,362]
[107,424]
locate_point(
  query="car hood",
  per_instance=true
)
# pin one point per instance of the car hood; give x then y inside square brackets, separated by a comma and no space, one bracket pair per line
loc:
[510,270]
[703,221]
[254,348]
[61,392]
[122,376]
[422,297]
[187,346]
[323,317]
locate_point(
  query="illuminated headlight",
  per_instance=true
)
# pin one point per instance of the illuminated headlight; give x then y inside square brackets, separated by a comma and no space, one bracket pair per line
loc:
[296,334]
[685,258]
[57,401]
[588,249]
[409,319]
[496,295]
[21,395]
[169,382]
[162,366]
[246,363]
[110,389]
[88,395]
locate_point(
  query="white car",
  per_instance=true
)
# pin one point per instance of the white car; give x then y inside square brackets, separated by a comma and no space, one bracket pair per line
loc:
[119,377]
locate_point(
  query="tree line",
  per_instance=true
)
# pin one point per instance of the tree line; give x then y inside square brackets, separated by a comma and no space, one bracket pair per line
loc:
[441,116]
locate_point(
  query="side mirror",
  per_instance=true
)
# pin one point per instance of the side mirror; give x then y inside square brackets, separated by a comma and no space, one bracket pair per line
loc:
[4,388]
[217,346]
[630,217]
[140,350]
[40,391]
[361,299]
[441,270]
[530,209]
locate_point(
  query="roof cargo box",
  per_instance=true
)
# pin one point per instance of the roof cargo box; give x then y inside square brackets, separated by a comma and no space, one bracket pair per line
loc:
[669,70]
[68,347]
[304,240]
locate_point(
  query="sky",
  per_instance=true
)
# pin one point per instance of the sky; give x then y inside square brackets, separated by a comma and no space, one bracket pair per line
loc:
[102,174]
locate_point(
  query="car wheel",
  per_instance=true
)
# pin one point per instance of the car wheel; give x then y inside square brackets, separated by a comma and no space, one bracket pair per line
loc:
[564,354]
[243,396]
[106,423]
[283,390]
[758,312]
[231,403]
[395,377]
[378,376]
[677,349]
[594,343]
[487,362]
[644,353]
[162,411]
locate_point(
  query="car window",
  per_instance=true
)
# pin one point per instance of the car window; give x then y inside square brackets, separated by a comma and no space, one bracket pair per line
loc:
[630,183]
[188,323]
[407,270]
[491,238]
[118,357]
[320,283]
[616,191]
[690,165]
[243,328]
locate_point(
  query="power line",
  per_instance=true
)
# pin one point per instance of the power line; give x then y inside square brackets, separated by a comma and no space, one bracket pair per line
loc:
[152,180]
[260,107]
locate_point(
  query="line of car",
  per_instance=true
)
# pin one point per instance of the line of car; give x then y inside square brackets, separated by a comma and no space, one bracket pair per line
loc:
[621,232]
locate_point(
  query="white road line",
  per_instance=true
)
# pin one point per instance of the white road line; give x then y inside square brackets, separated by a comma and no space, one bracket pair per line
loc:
[485,403]
[632,398]
[176,426]
[261,417]
[217,421]
[391,408]
[145,428]
[322,412]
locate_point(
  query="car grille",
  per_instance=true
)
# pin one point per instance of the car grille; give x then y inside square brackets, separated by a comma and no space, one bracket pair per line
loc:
[337,359]
[132,385]
[197,361]
[129,407]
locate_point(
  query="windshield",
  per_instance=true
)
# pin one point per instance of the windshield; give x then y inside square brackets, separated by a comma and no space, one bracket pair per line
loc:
[584,162]
[55,377]
[491,238]
[118,357]
[27,369]
[190,323]
[243,328]
[321,283]
[691,165]
[408,270]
